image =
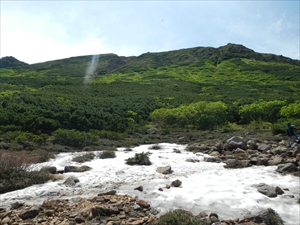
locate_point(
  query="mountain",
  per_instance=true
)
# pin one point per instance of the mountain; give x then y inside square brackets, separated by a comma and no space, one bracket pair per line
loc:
[198,56]
[201,87]
[9,61]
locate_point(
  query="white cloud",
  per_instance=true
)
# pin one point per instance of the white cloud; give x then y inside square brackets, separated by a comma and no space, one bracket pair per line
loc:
[40,31]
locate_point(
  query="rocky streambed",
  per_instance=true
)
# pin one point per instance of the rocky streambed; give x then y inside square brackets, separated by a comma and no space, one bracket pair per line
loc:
[111,208]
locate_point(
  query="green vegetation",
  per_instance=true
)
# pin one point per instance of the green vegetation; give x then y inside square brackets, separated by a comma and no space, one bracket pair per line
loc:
[84,158]
[196,88]
[139,159]
[178,217]
[13,170]
[107,155]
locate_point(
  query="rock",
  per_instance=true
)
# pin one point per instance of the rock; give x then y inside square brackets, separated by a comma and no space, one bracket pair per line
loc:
[214,154]
[29,213]
[251,144]
[193,160]
[79,220]
[263,148]
[49,169]
[143,204]
[210,159]
[235,142]
[262,161]
[278,190]
[275,160]
[233,164]
[203,214]
[267,217]
[140,188]
[69,169]
[164,170]
[298,158]
[113,192]
[102,211]
[176,183]
[71,181]
[5,214]
[288,167]
[16,205]
[267,190]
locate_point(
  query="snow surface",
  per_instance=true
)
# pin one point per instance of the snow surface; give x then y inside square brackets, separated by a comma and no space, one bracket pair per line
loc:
[205,186]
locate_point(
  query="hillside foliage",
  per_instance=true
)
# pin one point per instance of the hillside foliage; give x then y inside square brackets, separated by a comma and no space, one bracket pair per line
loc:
[199,88]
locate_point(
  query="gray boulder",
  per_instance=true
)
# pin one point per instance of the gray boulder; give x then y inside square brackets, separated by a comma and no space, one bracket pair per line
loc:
[267,190]
[263,148]
[235,142]
[288,167]
[164,170]
[71,181]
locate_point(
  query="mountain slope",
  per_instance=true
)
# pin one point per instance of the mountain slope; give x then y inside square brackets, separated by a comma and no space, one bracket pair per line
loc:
[116,93]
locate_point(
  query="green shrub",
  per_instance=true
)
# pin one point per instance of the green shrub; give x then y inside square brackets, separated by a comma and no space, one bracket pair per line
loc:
[131,142]
[178,217]
[108,134]
[11,179]
[84,158]
[107,154]
[155,147]
[139,159]
[21,137]
[74,138]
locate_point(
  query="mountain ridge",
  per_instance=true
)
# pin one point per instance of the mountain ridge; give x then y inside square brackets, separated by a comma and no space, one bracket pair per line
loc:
[195,55]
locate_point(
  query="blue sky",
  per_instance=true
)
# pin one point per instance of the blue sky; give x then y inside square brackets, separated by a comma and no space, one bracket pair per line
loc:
[38,31]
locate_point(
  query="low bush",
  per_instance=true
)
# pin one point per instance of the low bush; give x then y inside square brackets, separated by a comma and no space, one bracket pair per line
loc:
[155,147]
[20,137]
[74,138]
[107,154]
[84,158]
[14,172]
[178,217]
[139,159]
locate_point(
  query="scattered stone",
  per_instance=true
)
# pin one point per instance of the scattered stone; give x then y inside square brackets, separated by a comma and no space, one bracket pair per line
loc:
[176,183]
[233,164]
[235,142]
[16,205]
[29,214]
[267,190]
[164,170]
[140,188]
[288,167]
[193,160]
[71,181]
[263,148]
[143,204]
[210,159]
[113,192]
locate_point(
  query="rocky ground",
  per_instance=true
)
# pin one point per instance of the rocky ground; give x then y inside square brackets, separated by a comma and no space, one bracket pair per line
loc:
[110,209]
[236,151]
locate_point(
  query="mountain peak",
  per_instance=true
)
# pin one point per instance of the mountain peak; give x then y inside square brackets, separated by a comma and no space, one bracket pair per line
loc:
[10,61]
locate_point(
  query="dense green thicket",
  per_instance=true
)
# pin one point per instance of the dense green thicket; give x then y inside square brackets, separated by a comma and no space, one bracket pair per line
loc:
[200,88]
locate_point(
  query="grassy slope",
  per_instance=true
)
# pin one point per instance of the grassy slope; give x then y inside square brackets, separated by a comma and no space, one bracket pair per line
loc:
[232,74]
